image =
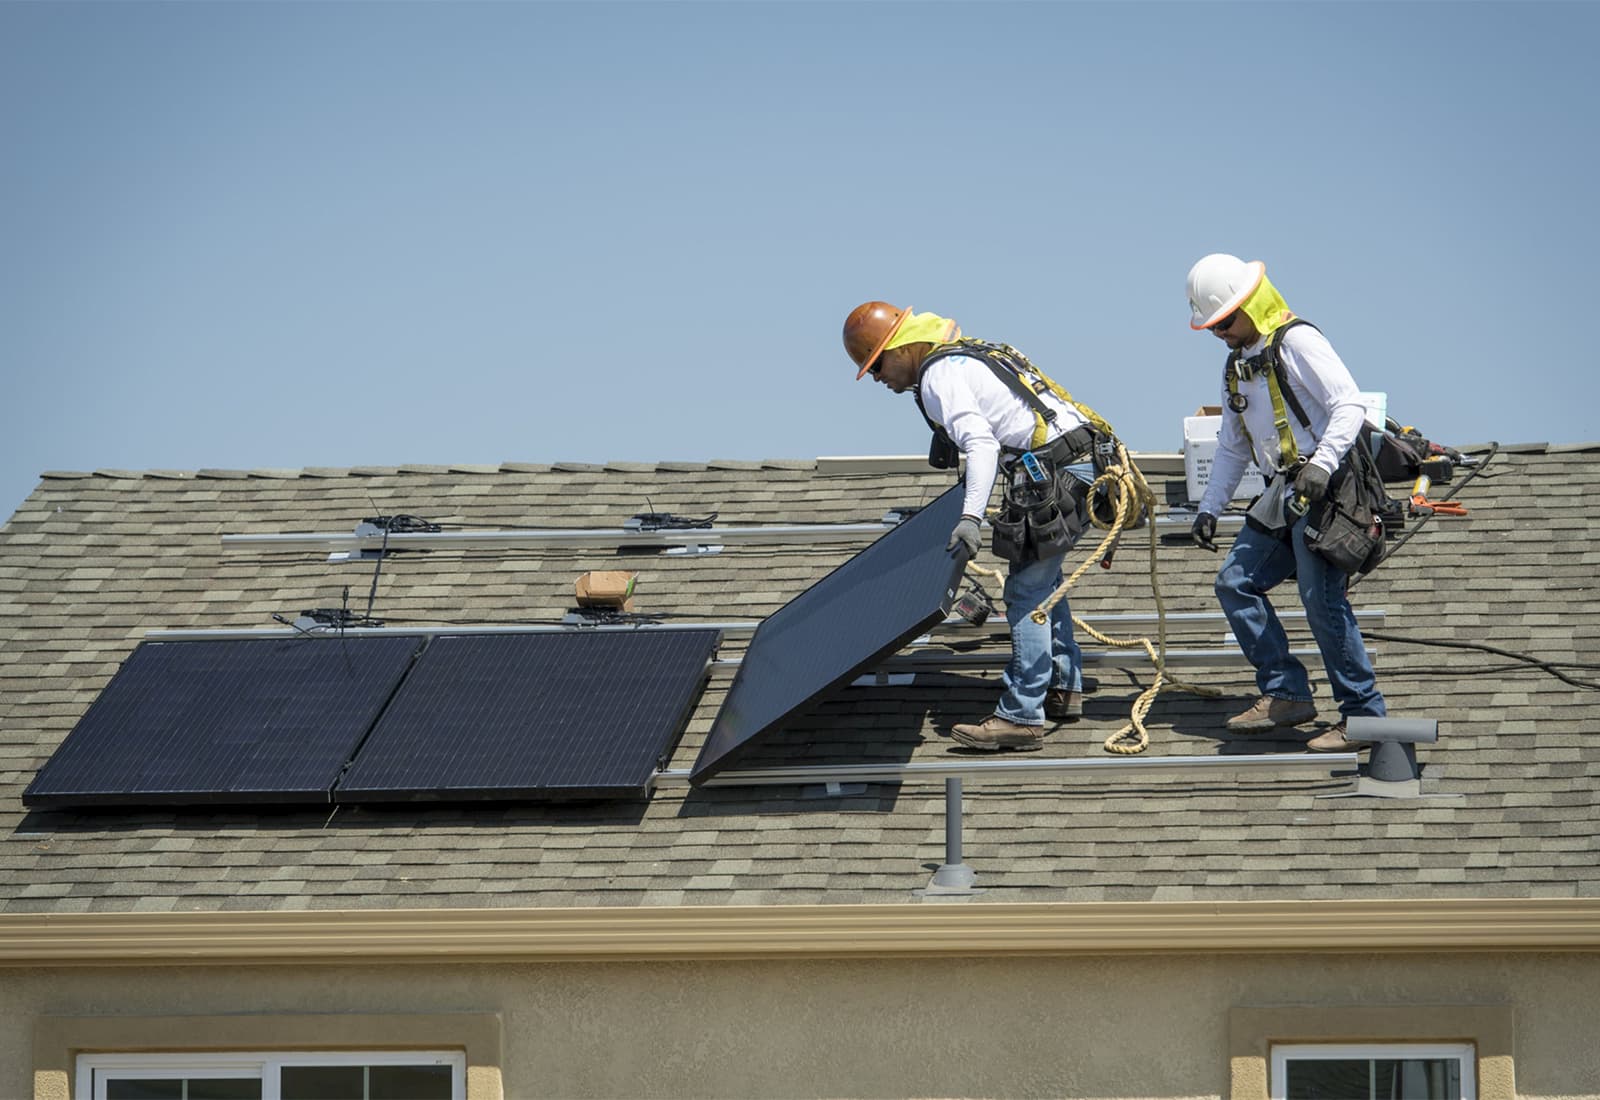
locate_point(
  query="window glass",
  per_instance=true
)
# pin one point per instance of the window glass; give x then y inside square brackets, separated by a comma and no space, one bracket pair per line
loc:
[173,1088]
[323,1083]
[167,1088]
[410,1083]
[381,1082]
[1392,1071]
[300,1075]
[1375,1079]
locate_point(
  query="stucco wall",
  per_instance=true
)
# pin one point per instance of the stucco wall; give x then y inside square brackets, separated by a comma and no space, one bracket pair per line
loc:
[1152,1026]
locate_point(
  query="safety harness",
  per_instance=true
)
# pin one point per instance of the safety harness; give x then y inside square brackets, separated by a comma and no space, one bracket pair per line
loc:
[1024,379]
[1347,526]
[1267,362]
[1045,505]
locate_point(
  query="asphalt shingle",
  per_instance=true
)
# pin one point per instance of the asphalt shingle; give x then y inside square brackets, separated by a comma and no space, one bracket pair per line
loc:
[92,561]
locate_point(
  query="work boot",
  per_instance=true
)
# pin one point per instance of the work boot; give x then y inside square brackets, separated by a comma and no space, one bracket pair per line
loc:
[994,732]
[1333,739]
[1269,712]
[1061,705]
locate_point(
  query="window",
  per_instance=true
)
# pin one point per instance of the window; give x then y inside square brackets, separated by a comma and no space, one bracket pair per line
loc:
[303,1075]
[1374,1071]
[1262,1039]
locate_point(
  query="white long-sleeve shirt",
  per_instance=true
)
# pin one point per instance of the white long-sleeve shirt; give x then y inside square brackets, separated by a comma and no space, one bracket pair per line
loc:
[1326,392]
[982,414]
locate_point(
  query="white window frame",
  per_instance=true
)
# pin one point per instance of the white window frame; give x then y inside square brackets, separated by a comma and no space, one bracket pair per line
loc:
[93,1069]
[1284,1053]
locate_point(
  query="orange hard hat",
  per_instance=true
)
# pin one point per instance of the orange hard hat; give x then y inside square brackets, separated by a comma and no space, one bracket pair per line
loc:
[869,327]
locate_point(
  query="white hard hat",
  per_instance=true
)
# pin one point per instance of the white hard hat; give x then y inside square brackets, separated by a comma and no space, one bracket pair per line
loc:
[1218,285]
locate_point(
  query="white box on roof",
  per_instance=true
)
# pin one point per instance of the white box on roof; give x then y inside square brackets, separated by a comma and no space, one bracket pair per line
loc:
[1200,449]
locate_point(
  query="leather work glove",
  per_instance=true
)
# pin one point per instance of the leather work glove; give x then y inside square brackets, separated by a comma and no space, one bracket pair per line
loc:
[964,539]
[1204,532]
[1311,482]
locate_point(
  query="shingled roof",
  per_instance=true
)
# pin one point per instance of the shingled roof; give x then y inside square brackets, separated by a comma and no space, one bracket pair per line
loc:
[92,561]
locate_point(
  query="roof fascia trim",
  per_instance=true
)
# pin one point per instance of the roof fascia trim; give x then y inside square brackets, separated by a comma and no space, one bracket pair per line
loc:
[812,931]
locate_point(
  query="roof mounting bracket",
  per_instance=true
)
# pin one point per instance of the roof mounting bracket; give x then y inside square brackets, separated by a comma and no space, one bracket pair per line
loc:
[346,556]
[881,678]
[954,880]
[694,549]
[832,789]
[1393,771]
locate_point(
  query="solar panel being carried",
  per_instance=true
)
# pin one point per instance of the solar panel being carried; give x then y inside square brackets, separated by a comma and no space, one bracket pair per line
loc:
[534,716]
[866,609]
[225,723]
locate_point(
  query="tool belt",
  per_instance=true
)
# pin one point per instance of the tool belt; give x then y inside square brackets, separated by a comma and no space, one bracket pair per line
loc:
[1044,507]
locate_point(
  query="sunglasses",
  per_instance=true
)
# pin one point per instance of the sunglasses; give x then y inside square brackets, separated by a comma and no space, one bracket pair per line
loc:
[1226,323]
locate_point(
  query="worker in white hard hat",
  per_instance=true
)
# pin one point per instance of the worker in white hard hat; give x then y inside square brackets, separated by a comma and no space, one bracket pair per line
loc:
[989,404]
[1291,407]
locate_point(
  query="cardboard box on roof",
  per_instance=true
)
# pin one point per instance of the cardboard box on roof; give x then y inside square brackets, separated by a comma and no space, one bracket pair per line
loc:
[606,588]
[1200,447]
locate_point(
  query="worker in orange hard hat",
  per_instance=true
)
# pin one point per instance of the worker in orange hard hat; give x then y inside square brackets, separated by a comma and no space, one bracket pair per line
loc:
[989,404]
[1294,410]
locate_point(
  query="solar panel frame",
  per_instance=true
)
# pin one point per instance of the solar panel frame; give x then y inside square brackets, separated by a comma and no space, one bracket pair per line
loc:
[889,593]
[533,717]
[224,722]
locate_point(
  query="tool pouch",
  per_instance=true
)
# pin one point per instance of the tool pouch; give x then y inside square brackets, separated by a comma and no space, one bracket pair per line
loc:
[1345,528]
[1351,542]
[1010,537]
[1040,519]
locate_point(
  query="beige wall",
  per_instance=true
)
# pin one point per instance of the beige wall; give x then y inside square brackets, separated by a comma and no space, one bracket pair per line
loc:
[1114,1026]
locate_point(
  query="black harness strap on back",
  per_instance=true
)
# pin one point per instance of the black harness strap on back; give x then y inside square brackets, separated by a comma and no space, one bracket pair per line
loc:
[1240,369]
[1001,365]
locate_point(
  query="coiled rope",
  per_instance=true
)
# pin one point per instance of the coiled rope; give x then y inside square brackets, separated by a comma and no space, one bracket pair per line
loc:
[1124,485]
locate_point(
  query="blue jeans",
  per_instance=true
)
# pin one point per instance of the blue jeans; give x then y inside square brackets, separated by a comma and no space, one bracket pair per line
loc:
[1043,655]
[1256,565]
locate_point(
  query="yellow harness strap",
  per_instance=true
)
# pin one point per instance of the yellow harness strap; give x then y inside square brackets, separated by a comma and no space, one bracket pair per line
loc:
[1099,422]
[1288,450]
[1038,381]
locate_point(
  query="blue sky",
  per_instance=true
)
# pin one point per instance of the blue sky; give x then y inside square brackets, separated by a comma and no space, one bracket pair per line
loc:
[279,235]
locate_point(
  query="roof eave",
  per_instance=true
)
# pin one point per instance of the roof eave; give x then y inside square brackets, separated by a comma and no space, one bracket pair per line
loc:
[908,930]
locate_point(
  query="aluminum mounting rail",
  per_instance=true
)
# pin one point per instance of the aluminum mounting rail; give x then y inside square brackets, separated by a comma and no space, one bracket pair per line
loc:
[369,539]
[1113,622]
[532,539]
[1032,768]
[430,630]
[1131,657]
[909,664]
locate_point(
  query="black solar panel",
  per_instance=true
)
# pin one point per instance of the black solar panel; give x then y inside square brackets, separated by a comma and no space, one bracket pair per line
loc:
[225,722]
[866,609]
[533,716]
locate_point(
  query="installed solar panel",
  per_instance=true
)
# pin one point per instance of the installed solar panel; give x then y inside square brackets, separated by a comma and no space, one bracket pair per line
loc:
[866,609]
[533,716]
[225,722]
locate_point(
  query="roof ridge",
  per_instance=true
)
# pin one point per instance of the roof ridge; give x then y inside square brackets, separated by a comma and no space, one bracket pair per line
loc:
[214,473]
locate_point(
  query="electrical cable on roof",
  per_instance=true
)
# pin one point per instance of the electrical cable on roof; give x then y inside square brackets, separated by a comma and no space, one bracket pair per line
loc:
[610,616]
[1526,661]
[403,524]
[1552,667]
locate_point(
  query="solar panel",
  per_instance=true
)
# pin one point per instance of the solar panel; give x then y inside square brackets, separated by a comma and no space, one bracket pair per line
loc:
[533,716]
[866,609]
[224,722]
